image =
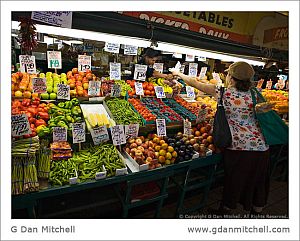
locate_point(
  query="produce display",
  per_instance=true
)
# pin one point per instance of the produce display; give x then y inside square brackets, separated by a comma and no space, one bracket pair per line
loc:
[189,106]
[61,172]
[279,98]
[148,88]
[166,84]
[52,80]
[43,159]
[21,85]
[142,109]
[60,150]
[107,85]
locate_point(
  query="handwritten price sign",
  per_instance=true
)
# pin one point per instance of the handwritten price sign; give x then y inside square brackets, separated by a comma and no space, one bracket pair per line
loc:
[94,88]
[131,130]
[159,91]
[118,135]
[161,127]
[115,91]
[39,85]
[112,47]
[130,50]
[27,64]
[59,134]
[159,67]
[139,88]
[115,71]
[193,69]
[63,92]
[78,132]
[202,72]
[269,84]
[187,125]
[99,134]
[20,125]
[84,62]
[54,59]
[140,72]
[190,93]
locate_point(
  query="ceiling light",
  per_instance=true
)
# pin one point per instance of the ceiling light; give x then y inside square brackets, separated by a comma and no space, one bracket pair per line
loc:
[69,42]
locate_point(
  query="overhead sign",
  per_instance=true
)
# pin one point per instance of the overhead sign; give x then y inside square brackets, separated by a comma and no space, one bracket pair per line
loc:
[27,64]
[54,59]
[140,71]
[189,58]
[130,50]
[59,19]
[84,63]
[39,85]
[20,125]
[115,71]
[112,47]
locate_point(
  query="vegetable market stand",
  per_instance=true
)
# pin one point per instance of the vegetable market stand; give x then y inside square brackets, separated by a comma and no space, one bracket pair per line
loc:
[167,173]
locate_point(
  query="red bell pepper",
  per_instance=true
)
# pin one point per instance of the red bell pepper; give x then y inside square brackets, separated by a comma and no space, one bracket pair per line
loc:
[44,115]
[40,122]
[32,110]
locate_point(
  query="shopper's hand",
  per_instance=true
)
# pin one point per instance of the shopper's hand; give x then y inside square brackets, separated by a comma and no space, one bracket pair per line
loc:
[169,77]
[175,72]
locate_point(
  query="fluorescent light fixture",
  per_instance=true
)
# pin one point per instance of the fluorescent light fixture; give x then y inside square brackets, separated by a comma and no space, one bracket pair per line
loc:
[69,42]
[49,40]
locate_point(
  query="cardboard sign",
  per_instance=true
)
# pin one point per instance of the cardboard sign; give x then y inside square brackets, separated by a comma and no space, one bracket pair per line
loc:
[159,67]
[193,69]
[139,90]
[78,132]
[159,91]
[27,64]
[20,125]
[189,57]
[140,71]
[116,90]
[202,115]
[39,85]
[161,127]
[118,135]
[115,71]
[130,50]
[60,19]
[187,125]
[54,59]
[190,92]
[63,92]
[203,59]
[131,130]
[94,88]
[202,72]
[260,83]
[99,134]
[60,134]
[269,84]
[84,63]
[112,47]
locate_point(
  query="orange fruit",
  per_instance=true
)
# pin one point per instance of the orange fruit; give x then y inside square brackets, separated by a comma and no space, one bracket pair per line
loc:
[202,130]
[164,146]
[168,156]
[162,142]
[157,148]
[170,149]
[209,139]
[161,159]
[174,154]
[162,152]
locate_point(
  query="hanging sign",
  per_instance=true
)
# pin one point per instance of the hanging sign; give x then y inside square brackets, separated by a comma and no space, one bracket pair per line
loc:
[139,90]
[27,64]
[59,134]
[140,72]
[115,71]
[190,93]
[202,115]
[94,88]
[193,69]
[78,132]
[189,58]
[177,56]
[159,67]
[54,59]
[63,92]
[187,125]
[61,19]
[203,59]
[131,130]
[84,63]
[112,47]
[161,127]
[99,134]
[159,91]
[130,50]
[202,72]
[39,85]
[118,135]
[20,125]
[269,84]
[116,90]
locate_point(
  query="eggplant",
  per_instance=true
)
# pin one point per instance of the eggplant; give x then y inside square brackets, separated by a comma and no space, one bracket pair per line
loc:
[183,148]
[187,157]
[172,144]
[181,153]
[190,148]
[178,144]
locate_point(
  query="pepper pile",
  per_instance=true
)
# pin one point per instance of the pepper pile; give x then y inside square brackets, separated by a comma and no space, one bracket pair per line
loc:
[61,172]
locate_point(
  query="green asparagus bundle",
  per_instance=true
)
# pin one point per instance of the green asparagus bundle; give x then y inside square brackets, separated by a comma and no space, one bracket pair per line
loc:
[31,182]
[43,160]
[17,176]
[25,147]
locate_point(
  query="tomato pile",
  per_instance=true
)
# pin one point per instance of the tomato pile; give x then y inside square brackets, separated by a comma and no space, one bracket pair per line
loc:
[147,86]
[142,109]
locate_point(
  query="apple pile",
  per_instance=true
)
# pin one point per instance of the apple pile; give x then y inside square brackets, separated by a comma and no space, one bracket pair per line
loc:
[21,85]
[202,133]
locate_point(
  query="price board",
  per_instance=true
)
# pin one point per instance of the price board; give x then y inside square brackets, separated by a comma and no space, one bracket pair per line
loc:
[202,115]
[94,88]
[20,125]
[161,127]
[27,64]
[159,67]
[189,58]
[193,69]
[139,90]
[187,125]
[63,92]
[84,63]
[112,47]
[39,85]
[54,59]
[159,91]
[118,135]
[78,132]
[115,71]
[202,72]
[130,50]
[99,134]
[140,71]
[190,92]
[116,90]
[60,134]
[131,130]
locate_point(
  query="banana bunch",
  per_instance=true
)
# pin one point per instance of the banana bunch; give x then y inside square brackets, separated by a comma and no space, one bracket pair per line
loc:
[166,85]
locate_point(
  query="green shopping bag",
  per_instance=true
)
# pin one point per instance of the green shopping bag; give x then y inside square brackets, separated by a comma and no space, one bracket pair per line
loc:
[275,131]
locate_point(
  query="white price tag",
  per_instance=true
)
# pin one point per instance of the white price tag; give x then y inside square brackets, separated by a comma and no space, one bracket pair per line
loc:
[101,175]
[63,92]
[140,72]
[190,93]
[131,130]
[78,132]
[54,59]
[112,47]
[193,69]
[27,64]
[115,71]
[269,84]
[60,134]
[84,63]
[96,99]
[20,125]
[94,88]
[159,91]
[187,125]
[139,90]
[202,72]
[73,180]
[202,115]
[161,127]
[115,90]
[118,135]
[189,57]
[130,50]
[39,85]
[158,67]
[121,172]
[99,134]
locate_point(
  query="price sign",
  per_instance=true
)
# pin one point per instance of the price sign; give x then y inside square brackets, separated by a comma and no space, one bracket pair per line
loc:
[139,90]
[100,175]
[187,125]
[54,59]
[118,135]
[200,58]
[260,83]
[202,72]
[63,92]
[140,72]
[116,90]
[190,93]
[131,130]
[20,125]
[181,69]
[161,127]
[193,69]
[130,50]
[112,47]
[216,76]
[159,91]
[78,132]
[39,85]
[115,71]
[269,84]
[59,134]
[189,58]
[281,84]
[99,134]
[202,115]
[94,88]
[84,62]
[27,64]
[158,67]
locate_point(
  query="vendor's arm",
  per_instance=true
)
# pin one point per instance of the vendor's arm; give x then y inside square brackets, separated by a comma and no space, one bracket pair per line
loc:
[157,74]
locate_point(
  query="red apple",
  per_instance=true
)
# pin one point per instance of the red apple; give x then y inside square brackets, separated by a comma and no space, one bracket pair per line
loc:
[74,71]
